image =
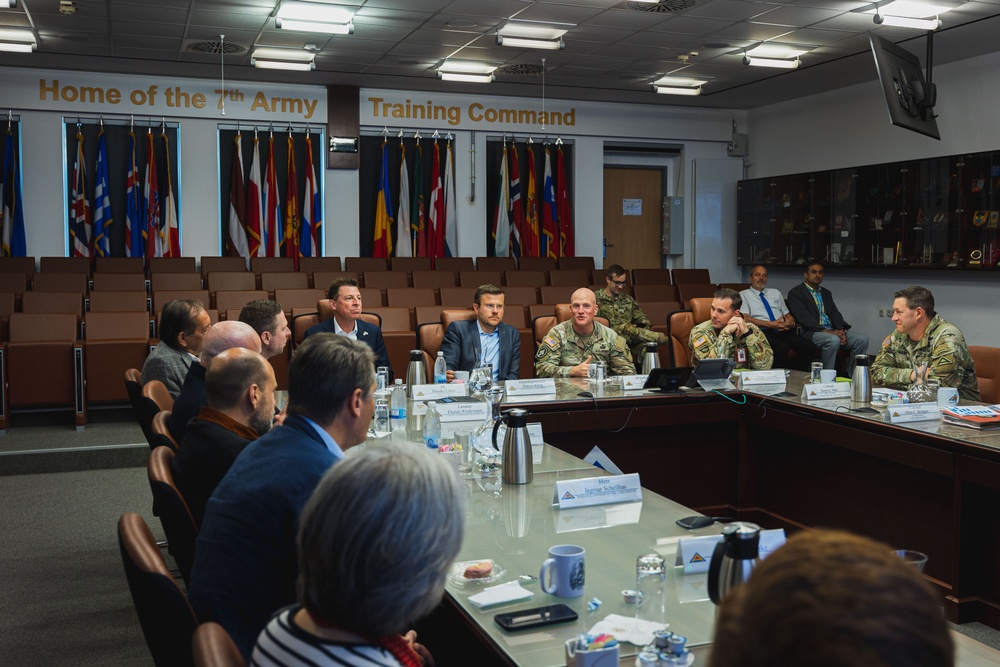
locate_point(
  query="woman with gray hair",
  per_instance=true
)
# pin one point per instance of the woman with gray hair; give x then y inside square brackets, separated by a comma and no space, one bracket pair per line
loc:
[375,543]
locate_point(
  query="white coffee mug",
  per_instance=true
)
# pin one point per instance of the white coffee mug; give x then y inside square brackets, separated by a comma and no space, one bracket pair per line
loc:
[947,397]
[462,376]
[563,572]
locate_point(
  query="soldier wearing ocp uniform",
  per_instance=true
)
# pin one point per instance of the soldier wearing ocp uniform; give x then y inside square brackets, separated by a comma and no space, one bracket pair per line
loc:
[624,314]
[717,338]
[562,348]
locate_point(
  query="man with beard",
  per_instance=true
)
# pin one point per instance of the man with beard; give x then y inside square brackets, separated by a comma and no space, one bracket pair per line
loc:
[240,386]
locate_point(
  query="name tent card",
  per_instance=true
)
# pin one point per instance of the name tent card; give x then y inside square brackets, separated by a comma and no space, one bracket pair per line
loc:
[633,382]
[750,379]
[597,491]
[825,390]
[695,553]
[530,387]
[912,412]
[463,411]
[435,392]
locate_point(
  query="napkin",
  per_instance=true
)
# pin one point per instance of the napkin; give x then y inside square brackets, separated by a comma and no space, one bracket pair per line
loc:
[627,629]
[512,591]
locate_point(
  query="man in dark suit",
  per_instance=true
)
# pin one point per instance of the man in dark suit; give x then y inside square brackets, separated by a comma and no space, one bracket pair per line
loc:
[485,338]
[245,564]
[345,300]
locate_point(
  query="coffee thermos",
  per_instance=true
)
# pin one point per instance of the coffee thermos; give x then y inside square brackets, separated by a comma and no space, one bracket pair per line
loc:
[650,358]
[861,381]
[416,372]
[517,467]
[734,558]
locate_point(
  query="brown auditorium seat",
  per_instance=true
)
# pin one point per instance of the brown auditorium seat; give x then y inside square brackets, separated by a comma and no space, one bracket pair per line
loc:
[539,309]
[569,278]
[498,264]
[556,294]
[523,295]
[298,298]
[230,281]
[25,265]
[739,287]
[410,297]
[434,279]
[60,282]
[260,265]
[476,278]
[542,264]
[213,647]
[423,314]
[363,264]
[44,364]
[157,392]
[110,302]
[701,309]
[679,276]
[654,292]
[64,265]
[651,277]
[313,265]
[119,265]
[175,281]
[688,291]
[397,334]
[143,408]
[540,326]
[515,315]
[113,343]
[585,263]
[525,278]
[299,323]
[679,329]
[454,264]
[393,318]
[269,282]
[449,316]
[458,295]
[372,296]
[52,302]
[386,279]
[171,265]
[13,282]
[429,337]
[121,282]
[7,306]
[179,524]
[987,362]
[600,277]
[163,297]
[322,279]
[222,264]
[411,264]
[236,299]
[658,312]
[162,432]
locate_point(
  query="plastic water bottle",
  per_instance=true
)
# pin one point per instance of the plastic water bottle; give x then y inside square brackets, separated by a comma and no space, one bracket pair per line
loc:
[432,426]
[397,406]
[440,369]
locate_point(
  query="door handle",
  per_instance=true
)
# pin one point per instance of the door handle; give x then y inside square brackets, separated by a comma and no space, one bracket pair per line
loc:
[609,245]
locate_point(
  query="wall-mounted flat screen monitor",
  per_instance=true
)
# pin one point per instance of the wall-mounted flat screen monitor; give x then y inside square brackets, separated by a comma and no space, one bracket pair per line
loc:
[909,98]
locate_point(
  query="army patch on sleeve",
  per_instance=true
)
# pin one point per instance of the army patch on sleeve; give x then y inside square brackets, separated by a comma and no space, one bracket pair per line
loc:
[551,342]
[887,340]
[700,341]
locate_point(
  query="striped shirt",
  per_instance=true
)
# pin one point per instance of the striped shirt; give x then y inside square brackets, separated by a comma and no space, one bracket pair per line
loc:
[284,644]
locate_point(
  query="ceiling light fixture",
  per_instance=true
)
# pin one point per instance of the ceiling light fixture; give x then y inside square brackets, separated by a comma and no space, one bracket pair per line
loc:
[909,13]
[777,63]
[677,90]
[468,71]
[907,22]
[533,35]
[17,41]
[529,43]
[314,17]
[286,59]
[678,85]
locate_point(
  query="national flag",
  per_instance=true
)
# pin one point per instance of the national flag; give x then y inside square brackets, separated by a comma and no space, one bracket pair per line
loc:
[516,207]
[236,231]
[530,238]
[450,211]
[501,221]
[293,223]
[134,220]
[435,238]
[404,235]
[169,230]
[79,208]
[271,202]
[418,216]
[383,209]
[566,244]
[254,210]
[312,210]
[11,203]
[103,217]
[151,204]
[550,221]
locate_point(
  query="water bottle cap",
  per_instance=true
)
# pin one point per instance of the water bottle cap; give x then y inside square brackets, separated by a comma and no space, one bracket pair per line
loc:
[398,381]
[440,354]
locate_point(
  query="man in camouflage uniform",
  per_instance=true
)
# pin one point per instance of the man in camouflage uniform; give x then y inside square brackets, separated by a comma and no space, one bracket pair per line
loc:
[717,337]
[569,347]
[624,314]
[921,336]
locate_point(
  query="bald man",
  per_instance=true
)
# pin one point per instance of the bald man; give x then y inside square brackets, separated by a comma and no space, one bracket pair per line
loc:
[240,385]
[221,337]
[569,347]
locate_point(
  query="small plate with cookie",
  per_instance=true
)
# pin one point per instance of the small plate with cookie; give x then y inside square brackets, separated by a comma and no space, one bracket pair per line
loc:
[484,571]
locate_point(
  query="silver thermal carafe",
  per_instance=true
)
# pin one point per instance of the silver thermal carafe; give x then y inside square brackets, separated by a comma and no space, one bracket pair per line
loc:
[517,467]
[416,372]
[734,558]
[861,382]
[650,358]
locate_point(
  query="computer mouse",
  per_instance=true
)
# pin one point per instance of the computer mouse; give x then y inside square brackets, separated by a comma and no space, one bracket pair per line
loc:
[585,394]
[692,522]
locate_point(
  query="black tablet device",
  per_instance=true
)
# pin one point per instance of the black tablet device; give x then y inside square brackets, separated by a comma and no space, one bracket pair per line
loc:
[711,369]
[668,379]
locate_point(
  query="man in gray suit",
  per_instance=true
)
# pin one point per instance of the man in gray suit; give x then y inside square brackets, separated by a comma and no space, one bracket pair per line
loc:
[486,337]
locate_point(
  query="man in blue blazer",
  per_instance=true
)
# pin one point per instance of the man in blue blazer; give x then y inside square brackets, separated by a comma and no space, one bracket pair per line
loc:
[345,299]
[245,565]
[486,337]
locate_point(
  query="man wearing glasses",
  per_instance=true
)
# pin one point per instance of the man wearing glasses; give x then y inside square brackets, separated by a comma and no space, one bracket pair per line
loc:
[485,339]
[623,312]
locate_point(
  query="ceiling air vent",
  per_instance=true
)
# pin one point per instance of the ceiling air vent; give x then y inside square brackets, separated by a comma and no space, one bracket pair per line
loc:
[521,70]
[230,48]
[661,7]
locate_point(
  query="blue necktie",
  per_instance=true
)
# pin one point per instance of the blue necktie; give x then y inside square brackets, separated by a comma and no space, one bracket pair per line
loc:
[767,307]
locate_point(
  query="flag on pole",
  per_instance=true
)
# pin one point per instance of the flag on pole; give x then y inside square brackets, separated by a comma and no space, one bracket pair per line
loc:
[293,223]
[103,217]
[550,222]
[383,209]
[79,208]
[236,235]
[271,202]
[151,195]
[404,237]
[418,216]
[255,207]
[501,221]
[312,211]
[11,203]
[531,244]
[169,230]
[134,221]
[517,222]
[566,243]
[450,211]
[435,236]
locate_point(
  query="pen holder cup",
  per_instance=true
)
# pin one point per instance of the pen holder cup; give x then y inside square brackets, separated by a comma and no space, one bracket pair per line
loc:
[604,657]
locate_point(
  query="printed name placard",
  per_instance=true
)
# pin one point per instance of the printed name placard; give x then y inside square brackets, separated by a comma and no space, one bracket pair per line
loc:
[534,434]
[530,387]
[695,553]
[826,390]
[597,491]
[912,412]
[749,379]
[435,392]
[461,411]
[633,382]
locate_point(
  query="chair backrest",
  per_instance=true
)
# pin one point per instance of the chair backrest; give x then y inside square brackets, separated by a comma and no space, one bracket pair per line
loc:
[25,265]
[651,277]
[987,362]
[313,265]
[411,264]
[495,264]
[680,276]
[322,279]
[213,647]
[539,309]
[60,282]
[363,264]
[64,265]
[119,265]
[157,392]
[172,265]
[52,302]
[230,280]
[261,265]
[515,315]
[658,311]
[429,336]
[143,408]
[236,299]
[13,282]
[162,298]
[371,296]
[540,326]
[654,292]
[223,264]
[679,327]
[688,291]
[454,264]
[430,313]
[525,277]
[43,326]
[298,298]
[386,279]
[116,325]
[537,264]
[167,620]
[570,277]
[522,295]
[162,431]
[476,278]
[458,295]
[393,318]
[449,316]
[175,281]
[701,309]
[410,297]
[554,294]
[585,263]
[270,282]
[739,287]
[107,302]
[168,504]
[299,324]
[434,279]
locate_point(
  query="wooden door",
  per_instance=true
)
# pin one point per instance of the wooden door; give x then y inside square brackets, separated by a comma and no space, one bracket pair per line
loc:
[633,217]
